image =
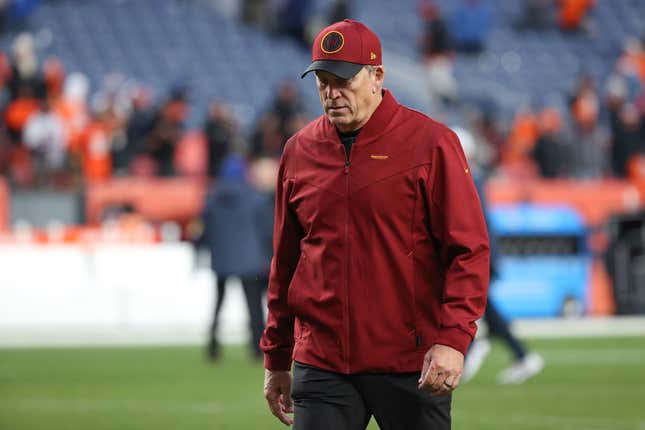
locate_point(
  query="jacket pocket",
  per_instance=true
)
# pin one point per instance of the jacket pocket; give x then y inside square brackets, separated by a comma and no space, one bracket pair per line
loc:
[425,336]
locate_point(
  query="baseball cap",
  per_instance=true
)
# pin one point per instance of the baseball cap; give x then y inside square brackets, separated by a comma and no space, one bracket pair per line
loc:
[343,48]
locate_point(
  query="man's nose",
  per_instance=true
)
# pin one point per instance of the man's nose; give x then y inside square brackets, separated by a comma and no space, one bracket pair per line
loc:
[332,92]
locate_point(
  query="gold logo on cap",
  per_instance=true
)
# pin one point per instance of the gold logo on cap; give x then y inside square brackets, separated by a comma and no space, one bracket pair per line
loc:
[332,42]
[372,56]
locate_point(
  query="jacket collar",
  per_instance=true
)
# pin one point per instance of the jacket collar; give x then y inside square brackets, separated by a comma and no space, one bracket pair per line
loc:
[377,123]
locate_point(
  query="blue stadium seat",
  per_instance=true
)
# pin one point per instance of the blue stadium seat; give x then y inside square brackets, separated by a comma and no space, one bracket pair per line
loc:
[160,42]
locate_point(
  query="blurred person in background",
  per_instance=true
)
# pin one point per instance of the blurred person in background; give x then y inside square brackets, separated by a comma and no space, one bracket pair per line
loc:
[370,197]
[138,124]
[522,137]
[219,129]
[287,105]
[20,166]
[627,138]
[284,117]
[624,101]
[72,107]
[486,126]
[636,173]
[5,79]
[470,24]
[551,153]
[256,13]
[572,14]
[536,15]
[166,130]
[235,222]
[590,140]
[340,10]
[25,84]
[435,39]
[295,124]
[525,364]
[44,134]
[293,17]
[92,149]
[631,65]
[54,79]
[23,94]
[18,11]
[4,15]
[437,55]
[23,105]
[267,138]
[25,67]
[263,176]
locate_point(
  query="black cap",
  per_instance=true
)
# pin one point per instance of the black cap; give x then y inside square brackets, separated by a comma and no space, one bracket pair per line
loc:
[342,69]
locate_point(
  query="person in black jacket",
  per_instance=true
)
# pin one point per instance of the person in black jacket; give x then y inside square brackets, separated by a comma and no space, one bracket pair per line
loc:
[235,231]
[526,363]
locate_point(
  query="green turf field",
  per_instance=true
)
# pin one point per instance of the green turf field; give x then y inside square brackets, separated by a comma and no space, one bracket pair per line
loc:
[588,384]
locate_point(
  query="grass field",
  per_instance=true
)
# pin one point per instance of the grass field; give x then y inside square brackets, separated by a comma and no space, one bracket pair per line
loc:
[588,384]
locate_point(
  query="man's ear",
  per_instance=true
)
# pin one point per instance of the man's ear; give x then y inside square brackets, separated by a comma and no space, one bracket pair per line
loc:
[379,74]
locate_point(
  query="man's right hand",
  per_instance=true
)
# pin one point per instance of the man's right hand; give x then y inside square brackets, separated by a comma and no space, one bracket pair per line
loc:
[277,391]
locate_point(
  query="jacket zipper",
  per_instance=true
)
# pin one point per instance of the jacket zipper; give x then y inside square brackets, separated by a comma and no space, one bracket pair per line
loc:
[347,262]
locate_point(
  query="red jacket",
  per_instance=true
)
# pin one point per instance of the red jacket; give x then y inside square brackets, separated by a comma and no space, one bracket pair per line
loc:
[377,260]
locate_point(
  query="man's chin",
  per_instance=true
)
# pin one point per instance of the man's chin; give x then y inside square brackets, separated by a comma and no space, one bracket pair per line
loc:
[338,120]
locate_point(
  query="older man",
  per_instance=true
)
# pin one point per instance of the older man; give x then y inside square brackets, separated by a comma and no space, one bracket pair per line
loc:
[380,265]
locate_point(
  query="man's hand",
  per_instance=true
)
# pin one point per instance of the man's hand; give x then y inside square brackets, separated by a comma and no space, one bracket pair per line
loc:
[277,391]
[442,369]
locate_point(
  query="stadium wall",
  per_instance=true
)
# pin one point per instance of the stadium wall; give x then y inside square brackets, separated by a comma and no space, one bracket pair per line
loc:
[110,294]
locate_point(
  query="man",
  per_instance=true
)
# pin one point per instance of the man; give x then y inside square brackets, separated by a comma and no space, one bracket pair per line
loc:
[526,364]
[380,265]
[235,229]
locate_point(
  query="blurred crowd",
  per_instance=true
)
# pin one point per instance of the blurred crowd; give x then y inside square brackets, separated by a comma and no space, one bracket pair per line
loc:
[55,132]
[599,133]
[296,19]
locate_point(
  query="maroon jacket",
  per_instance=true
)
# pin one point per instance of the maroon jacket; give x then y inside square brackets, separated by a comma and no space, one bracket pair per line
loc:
[377,260]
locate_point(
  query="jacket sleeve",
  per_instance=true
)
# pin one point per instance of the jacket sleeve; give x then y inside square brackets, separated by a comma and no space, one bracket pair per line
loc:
[277,341]
[457,222]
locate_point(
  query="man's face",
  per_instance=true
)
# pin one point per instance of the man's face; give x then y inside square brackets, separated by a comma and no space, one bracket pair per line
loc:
[348,103]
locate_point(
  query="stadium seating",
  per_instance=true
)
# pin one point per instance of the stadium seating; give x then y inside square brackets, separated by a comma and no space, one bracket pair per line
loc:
[161,43]
[164,42]
[549,61]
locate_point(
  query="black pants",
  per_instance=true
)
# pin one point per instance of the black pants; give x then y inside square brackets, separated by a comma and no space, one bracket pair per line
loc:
[253,287]
[498,327]
[331,401]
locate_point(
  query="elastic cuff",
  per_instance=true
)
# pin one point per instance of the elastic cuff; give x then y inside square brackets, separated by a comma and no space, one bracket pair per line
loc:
[277,360]
[455,338]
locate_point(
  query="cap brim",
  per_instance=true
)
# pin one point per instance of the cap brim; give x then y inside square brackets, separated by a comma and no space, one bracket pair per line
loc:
[342,69]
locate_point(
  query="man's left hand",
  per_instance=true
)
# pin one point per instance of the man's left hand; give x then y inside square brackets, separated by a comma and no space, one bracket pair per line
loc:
[442,369]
